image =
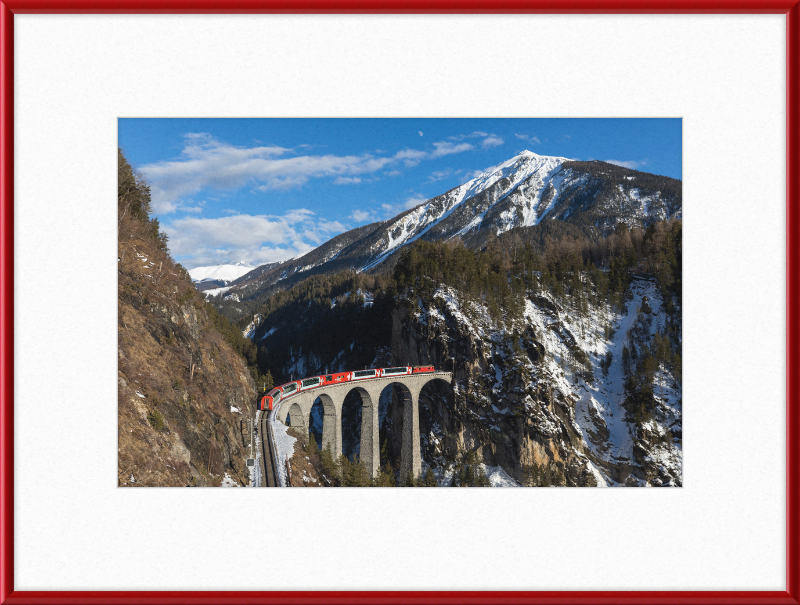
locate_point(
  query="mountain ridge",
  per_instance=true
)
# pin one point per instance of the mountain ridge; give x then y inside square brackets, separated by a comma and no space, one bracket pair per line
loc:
[522,191]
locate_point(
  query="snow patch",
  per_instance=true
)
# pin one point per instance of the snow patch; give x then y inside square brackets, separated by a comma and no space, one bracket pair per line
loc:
[498,477]
[227,481]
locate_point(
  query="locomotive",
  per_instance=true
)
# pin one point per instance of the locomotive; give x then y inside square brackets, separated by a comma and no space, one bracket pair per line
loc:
[283,391]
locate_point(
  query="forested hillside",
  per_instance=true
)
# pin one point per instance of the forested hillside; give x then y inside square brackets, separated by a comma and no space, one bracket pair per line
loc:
[566,351]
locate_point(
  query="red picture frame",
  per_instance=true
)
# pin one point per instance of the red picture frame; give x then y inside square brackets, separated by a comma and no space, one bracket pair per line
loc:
[790,8]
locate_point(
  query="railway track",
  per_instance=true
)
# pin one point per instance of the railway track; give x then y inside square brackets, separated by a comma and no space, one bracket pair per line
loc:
[267,451]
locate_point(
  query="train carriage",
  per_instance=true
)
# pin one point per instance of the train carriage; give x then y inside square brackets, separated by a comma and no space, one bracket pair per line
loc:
[272,398]
[364,374]
[310,383]
[336,378]
[401,371]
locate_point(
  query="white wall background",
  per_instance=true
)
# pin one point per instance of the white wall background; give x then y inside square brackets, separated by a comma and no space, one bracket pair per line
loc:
[75,75]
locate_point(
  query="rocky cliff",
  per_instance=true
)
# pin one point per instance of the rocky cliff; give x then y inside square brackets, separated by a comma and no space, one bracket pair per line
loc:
[183,393]
[535,396]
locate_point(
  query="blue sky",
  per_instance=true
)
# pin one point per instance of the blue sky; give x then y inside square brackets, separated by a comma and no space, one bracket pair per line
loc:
[264,190]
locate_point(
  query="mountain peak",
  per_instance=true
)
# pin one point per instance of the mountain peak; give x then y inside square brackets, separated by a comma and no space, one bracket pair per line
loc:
[520,192]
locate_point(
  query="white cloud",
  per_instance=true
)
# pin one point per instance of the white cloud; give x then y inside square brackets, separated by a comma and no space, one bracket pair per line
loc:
[360,216]
[206,162]
[347,180]
[632,164]
[414,200]
[472,135]
[420,133]
[392,210]
[528,138]
[438,175]
[255,239]
[393,173]
[489,140]
[492,141]
[410,157]
[445,148]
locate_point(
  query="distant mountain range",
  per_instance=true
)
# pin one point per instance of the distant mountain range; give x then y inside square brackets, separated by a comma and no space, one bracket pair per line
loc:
[522,192]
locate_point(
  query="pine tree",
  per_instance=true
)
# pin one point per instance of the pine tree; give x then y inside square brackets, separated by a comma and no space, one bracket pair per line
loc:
[328,465]
[481,480]
[546,476]
[626,361]
[311,446]
[345,471]
[361,476]
[429,480]
[530,474]
[385,477]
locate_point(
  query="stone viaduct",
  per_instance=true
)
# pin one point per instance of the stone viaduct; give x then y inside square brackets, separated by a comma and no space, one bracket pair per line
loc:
[298,409]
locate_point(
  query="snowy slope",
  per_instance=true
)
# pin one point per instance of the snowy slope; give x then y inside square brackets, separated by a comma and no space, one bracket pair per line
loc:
[523,191]
[226,273]
[527,167]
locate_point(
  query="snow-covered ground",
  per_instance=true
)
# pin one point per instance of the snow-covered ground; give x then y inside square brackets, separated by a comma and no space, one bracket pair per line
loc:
[216,291]
[227,481]
[498,477]
[284,446]
[599,402]
[249,331]
[255,471]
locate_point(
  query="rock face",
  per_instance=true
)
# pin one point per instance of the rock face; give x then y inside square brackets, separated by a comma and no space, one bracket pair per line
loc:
[498,408]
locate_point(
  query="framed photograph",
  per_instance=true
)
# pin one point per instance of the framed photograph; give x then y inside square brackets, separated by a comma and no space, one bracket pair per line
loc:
[400,245]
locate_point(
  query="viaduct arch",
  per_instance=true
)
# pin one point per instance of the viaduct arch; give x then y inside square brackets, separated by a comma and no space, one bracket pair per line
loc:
[298,409]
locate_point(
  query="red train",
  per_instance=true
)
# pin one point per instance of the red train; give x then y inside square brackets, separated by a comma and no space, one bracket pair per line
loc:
[292,388]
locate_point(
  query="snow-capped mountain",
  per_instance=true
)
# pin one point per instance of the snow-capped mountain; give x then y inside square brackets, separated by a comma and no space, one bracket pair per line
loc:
[464,209]
[521,192]
[218,276]
[527,189]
